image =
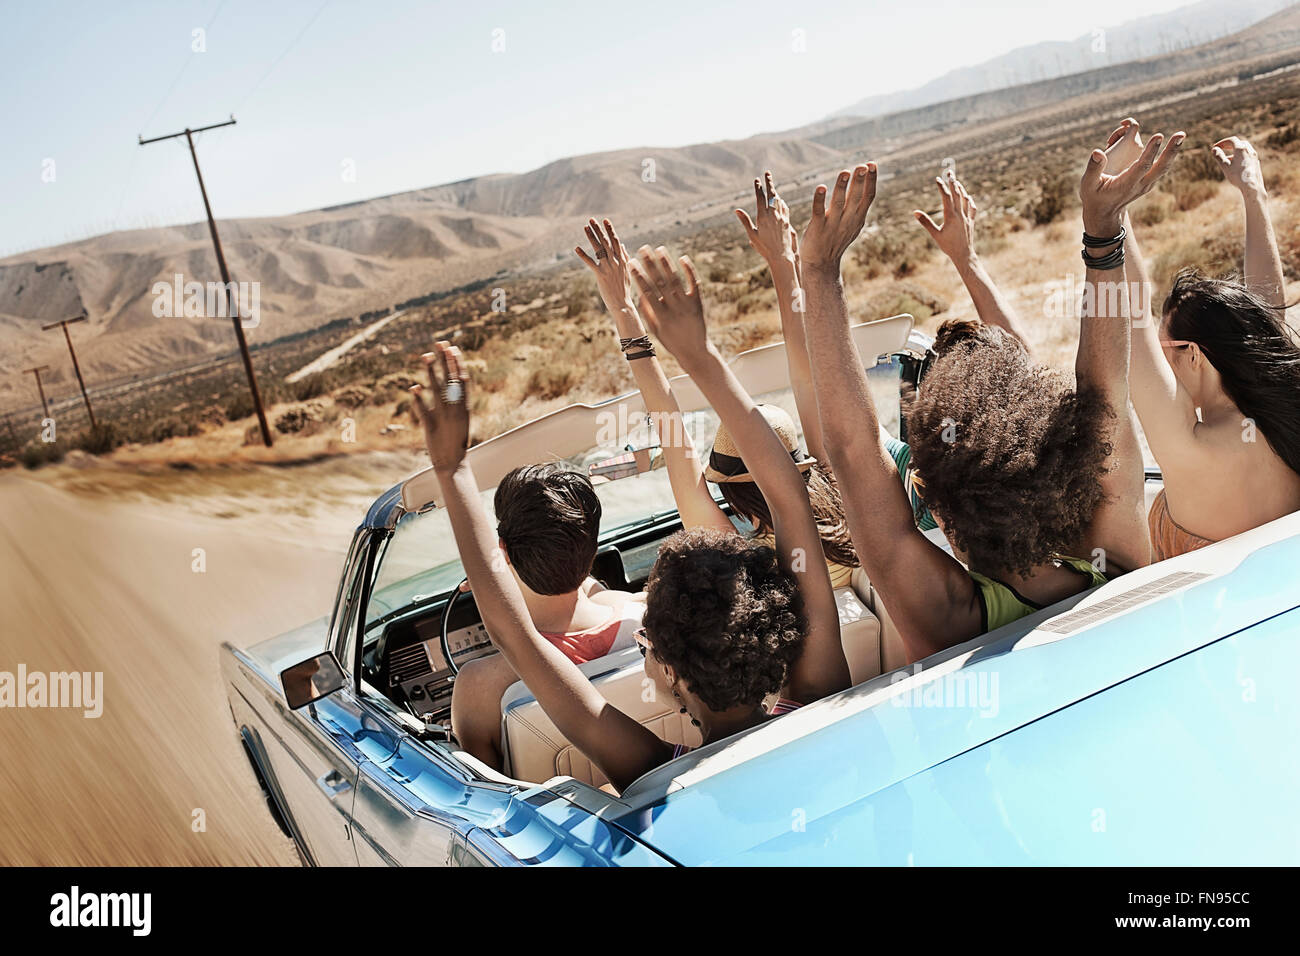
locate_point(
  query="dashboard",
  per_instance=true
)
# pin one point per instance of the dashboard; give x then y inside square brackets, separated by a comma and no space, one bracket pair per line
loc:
[407,662]
[411,667]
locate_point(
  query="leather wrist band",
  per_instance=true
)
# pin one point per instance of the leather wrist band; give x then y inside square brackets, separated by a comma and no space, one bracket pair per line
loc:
[1093,242]
[636,342]
[1111,260]
[647,353]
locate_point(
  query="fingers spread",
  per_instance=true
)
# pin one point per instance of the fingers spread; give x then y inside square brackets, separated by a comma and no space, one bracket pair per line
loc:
[1161,163]
[582,254]
[593,234]
[1092,174]
[927,223]
[946,196]
[672,283]
[819,203]
[750,228]
[841,193]
[692,280]
[863,191]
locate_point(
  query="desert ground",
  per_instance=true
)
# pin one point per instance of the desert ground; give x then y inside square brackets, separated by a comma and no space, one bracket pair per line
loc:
[99,576]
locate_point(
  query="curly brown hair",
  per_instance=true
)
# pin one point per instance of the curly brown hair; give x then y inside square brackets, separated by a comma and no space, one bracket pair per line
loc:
[747,501]
[1010,455]
[724,615]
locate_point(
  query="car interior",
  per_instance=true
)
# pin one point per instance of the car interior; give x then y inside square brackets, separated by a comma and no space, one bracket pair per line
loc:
[411,661]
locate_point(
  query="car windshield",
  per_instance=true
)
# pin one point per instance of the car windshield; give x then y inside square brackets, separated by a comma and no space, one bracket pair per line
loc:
[420,562]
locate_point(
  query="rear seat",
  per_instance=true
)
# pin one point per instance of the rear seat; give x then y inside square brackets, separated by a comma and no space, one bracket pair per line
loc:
[535,750]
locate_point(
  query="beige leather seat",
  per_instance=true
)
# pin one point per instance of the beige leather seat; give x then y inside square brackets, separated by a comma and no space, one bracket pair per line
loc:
[860,634]
[893,654]
[535,750]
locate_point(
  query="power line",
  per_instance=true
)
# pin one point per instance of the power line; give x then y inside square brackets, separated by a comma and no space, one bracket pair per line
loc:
[283,54]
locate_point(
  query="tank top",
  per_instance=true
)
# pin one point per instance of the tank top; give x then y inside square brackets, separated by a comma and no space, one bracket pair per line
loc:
[1000,604]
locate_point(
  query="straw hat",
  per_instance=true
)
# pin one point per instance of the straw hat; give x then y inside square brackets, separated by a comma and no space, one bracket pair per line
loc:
[724,461]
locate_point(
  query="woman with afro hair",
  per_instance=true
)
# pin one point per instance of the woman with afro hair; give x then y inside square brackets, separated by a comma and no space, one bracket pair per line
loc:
[1036,480]
[727,623]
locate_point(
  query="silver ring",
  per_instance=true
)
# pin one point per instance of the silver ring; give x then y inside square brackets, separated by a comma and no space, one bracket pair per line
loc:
[771,200]
[453,393]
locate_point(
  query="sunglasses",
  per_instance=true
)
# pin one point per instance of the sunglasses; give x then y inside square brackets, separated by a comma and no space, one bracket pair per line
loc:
[642,640]
[1175,343]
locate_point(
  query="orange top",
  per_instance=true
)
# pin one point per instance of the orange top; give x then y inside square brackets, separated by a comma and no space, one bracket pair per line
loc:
[614,635]
[1168,538]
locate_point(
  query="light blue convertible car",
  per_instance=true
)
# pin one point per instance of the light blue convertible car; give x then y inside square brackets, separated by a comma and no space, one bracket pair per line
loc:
[1153,720]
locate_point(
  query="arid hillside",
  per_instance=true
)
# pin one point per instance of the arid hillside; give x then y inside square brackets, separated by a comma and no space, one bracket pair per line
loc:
[344,261]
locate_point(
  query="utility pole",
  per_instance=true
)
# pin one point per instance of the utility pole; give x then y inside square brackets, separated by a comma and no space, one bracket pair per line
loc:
[225,273]
[39,387]
[64,323]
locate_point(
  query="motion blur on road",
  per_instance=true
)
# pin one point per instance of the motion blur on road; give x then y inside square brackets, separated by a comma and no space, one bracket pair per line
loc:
[114,584]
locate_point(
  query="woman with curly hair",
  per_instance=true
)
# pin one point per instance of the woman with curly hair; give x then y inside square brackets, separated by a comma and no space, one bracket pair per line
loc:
[727,622]
[1216,381]
[1038,483]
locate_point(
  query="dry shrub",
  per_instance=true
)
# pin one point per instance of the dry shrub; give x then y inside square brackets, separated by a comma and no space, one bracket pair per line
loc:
[552,381]
[351,396]
[1287,138]
[1052,200]
[894,251]
[1213,256]
[1188,194]
[918,302]
[1153,208]
[302,419]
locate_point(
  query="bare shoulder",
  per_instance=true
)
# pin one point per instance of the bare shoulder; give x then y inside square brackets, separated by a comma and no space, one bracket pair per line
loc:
[616,599]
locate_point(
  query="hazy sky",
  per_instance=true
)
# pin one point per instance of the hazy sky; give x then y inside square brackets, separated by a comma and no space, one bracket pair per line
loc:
[411,93]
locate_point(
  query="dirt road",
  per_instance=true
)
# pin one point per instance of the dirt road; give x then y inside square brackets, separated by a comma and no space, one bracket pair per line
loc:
[96,584]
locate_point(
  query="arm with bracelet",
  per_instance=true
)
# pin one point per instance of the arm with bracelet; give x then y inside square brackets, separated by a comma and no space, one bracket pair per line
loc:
[609,262]
[1118,532]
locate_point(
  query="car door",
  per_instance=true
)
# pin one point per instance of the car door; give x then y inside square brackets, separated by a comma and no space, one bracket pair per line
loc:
[327,742]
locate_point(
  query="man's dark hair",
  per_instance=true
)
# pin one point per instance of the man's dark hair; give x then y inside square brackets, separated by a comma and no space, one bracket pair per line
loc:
[549,520]
[1009,454]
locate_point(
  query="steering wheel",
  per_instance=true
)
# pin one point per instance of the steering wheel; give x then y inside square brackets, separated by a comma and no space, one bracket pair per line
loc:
[446,619]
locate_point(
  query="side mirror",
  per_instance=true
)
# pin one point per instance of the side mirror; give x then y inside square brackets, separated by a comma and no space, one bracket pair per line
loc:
[309,681]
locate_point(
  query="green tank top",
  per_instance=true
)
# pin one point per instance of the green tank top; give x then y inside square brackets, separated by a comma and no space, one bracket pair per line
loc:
[1001,605]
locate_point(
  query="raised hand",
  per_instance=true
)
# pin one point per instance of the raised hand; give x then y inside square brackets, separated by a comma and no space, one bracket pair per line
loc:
[445,416]
[1106,195]
[1124,147]
[610,264]
[674,313]
[1239,164]
[956,237]
[837,220]
[772,236]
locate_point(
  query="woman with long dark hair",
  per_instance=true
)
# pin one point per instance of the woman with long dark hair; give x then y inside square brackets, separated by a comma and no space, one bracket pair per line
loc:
[1216,382]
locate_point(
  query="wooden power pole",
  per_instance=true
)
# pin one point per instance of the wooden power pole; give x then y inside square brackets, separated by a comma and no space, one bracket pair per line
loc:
[64,323]
[39,387]
[225,273]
